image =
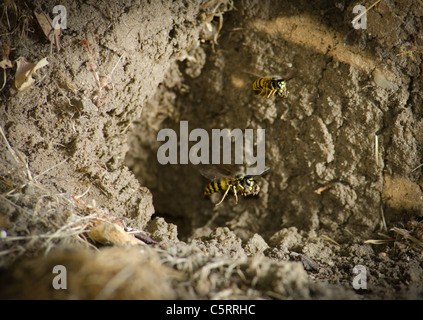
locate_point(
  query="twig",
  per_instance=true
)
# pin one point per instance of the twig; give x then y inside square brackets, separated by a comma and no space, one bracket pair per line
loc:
[377,150]
[321,189]
[325,237]
[378,241]
[81,195]
[47,170]
[21,208]
[383,219]
[105,80]
[8,146]
[419,166]
[406,235]
[92,65]
[363,13]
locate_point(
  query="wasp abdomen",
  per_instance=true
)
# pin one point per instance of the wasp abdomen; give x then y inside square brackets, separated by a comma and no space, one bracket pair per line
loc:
[216,186]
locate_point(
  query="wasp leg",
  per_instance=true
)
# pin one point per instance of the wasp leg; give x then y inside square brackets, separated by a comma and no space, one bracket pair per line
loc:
[236,197]
[224,196]
[284,93]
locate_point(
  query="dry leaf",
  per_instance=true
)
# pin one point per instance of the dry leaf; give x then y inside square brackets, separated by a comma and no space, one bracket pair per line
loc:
[24,72]
[42,63]
[47,25]
[6,63]
[111,234]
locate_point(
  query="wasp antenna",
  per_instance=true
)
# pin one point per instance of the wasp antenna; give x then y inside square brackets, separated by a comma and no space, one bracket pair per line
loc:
[297,76]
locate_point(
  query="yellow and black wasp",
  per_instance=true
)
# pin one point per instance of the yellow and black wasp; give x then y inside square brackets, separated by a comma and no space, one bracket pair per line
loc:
[229,181]
[270,86]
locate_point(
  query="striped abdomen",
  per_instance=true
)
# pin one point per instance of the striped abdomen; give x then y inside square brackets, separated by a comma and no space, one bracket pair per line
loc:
[217,185]
[263,84]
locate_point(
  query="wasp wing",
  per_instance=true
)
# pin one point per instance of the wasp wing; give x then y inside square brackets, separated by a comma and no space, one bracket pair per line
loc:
[259,174]
[216,172]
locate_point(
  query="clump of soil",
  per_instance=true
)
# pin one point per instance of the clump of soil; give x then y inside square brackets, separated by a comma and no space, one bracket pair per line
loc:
[79,149]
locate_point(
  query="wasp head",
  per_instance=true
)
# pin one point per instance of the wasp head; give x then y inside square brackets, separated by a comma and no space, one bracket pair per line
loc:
[281,87]
[250,187]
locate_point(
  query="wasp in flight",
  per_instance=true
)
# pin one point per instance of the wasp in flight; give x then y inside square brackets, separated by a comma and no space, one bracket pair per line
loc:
[270,86]
[238,183]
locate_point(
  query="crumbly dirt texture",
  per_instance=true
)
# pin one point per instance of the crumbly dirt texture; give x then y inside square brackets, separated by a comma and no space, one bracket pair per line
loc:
[79,150]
